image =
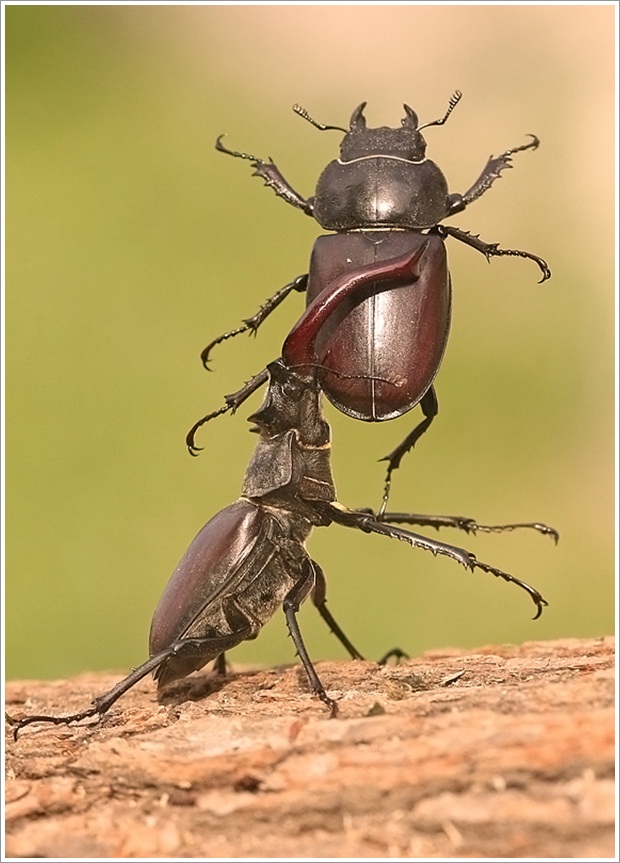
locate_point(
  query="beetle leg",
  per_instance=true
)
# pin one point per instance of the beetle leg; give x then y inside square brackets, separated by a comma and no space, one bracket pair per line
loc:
[430,408]
[469,525]
[491,250]
[318,596]
[272,177]
[291,605]
[492,171]
[233,401]
[319,599]
[369,524]
[101,704]
[395,653]
[253,323]
[220,664]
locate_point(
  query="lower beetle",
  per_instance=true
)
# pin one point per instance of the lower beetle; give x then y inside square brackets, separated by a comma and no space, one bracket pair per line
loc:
[382,198]
[250,558]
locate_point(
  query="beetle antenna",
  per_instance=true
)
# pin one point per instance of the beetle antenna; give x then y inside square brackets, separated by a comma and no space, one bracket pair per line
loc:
[303,113]
[455,98]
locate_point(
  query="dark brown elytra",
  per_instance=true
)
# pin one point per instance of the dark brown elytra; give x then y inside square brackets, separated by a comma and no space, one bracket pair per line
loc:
[382,199]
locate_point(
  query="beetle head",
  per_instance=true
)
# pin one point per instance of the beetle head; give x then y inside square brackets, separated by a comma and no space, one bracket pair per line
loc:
[292,401]
[361,142]
[404,142]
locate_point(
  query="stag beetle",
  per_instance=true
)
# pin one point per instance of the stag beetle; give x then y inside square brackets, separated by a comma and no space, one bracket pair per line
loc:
[250,558]
[382,198]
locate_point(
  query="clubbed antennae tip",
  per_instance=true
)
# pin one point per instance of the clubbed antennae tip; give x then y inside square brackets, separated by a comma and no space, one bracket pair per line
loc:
[321,126]
[455,98]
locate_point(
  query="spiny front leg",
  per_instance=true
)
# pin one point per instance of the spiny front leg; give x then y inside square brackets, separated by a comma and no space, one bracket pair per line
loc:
[366,521]
[491,172]
[467,558]
[252,324]
[491,250]
[369,524]
[272,177]
[233,401]
[461,522]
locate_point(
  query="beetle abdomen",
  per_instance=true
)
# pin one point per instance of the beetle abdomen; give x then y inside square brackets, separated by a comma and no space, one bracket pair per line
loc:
[388,346]
[228,584]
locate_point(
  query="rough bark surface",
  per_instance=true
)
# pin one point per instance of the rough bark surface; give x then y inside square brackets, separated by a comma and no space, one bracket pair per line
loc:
[501,752]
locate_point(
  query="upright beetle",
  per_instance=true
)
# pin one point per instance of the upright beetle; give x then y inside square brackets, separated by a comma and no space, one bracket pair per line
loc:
[382,199]
[250,558]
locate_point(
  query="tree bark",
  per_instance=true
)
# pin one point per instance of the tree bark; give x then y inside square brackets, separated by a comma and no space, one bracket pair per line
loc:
[501,752]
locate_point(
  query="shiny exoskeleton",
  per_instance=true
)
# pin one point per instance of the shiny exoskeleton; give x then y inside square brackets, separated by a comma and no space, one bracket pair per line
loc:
[382,199]
[250,558]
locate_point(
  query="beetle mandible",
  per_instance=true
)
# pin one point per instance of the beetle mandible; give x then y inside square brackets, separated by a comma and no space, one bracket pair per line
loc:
[382,198]
[250,558]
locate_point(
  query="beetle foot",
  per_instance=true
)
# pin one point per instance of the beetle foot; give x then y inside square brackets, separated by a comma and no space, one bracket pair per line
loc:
[330,703]
[18,724]
[395,653]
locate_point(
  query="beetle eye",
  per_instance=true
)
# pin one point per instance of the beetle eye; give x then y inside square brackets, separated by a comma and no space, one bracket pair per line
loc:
[290,389]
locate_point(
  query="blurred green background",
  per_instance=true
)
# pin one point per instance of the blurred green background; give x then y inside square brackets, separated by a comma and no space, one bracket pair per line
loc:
[131,243]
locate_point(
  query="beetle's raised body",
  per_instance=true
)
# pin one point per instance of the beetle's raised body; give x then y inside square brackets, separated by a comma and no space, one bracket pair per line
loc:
[253,551]
[382,198]
[250,558]
[378,196]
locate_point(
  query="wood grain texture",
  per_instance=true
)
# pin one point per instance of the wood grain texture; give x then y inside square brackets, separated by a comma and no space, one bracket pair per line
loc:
[513,758]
